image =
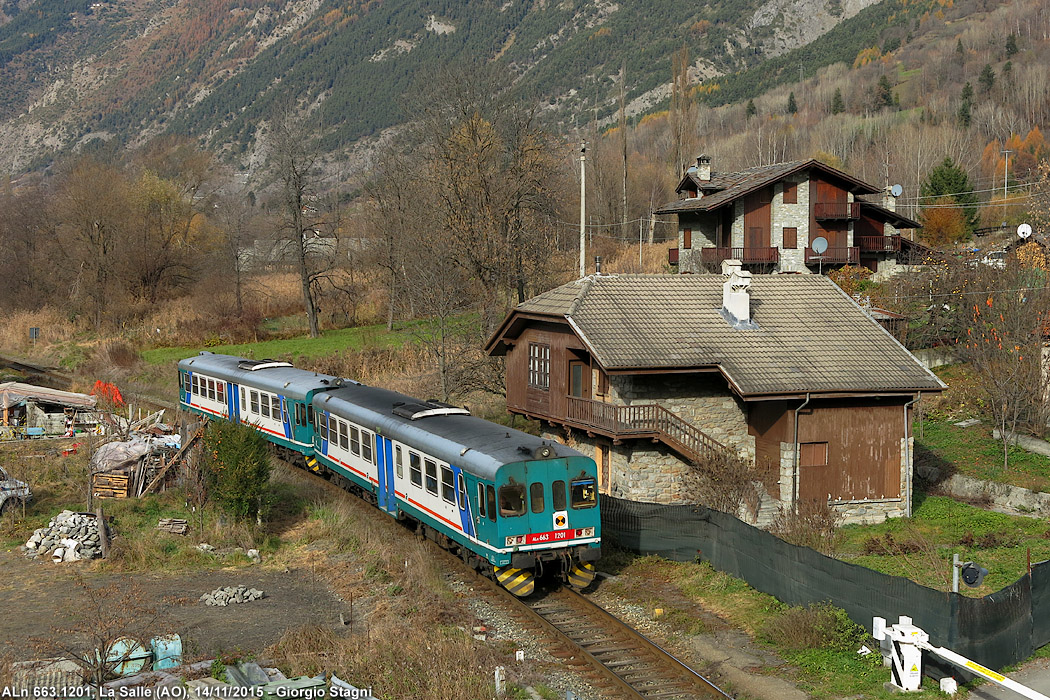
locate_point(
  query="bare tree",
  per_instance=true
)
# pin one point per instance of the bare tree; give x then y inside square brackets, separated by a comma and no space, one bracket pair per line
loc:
[306,228]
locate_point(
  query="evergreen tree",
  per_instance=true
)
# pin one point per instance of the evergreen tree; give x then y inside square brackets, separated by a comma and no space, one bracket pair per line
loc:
[1008,72]
[751,109]
[987,78]
[837,104]
[1011,45]
[950,182]
[792,105]
[965,106]
[960,54]
[884,93]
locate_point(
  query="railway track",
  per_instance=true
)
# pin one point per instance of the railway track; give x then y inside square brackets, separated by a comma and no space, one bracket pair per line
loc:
[615,659]
[633,665]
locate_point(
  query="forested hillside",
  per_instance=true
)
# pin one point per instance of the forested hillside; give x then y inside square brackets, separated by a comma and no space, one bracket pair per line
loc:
[110,71]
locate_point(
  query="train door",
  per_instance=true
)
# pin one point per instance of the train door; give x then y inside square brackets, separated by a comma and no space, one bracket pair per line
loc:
[233,408]
[466,520]
[542,519]
[385,471]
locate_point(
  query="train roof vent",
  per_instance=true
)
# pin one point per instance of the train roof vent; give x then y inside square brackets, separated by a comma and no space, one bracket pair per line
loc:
[415,411]
[255,365]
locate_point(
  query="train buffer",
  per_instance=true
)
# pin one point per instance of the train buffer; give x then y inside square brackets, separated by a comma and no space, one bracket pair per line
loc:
[903,645]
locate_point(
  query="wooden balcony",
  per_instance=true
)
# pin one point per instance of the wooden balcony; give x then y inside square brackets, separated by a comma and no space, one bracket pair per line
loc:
[833,256]
[878,244]
[836,210]
[753,256]
[643,421]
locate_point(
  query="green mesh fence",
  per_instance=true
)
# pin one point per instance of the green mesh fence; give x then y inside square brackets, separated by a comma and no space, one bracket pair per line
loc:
[997,630]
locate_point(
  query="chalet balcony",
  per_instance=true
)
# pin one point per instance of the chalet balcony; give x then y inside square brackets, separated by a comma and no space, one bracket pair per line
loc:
[753,256]
[651,421]
[836,210]
[878,244]
[833,256]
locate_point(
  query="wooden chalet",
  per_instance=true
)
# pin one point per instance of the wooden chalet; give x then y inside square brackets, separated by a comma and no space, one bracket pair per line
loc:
[650,373]
[768,217]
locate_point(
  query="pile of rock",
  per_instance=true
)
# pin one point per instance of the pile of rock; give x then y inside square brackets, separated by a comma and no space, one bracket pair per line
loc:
[221,597]
[68,537]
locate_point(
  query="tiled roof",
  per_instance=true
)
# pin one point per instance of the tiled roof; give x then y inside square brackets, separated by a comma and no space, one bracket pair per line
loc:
[811,337]
[726,187]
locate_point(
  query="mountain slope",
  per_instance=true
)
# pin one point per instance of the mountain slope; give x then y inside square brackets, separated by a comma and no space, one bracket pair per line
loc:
[84,73]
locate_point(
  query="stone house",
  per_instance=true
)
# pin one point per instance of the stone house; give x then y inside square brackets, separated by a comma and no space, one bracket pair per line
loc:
[651,373]
[769,217]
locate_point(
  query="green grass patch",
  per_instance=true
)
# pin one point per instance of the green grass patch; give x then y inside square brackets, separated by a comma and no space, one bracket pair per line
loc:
[921,548]
[819,642]
[330,342]
[974,452]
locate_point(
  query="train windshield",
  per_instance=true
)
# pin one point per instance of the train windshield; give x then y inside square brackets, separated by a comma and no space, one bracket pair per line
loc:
[512,500]
[584,493]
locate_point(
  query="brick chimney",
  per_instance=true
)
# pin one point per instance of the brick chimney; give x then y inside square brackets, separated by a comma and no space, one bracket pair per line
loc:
[736,297]
[703,168]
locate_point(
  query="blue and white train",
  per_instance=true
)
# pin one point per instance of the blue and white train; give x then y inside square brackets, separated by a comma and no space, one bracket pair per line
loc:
[507,502]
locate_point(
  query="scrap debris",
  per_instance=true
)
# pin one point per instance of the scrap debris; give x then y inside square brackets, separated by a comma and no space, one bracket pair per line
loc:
[176,526]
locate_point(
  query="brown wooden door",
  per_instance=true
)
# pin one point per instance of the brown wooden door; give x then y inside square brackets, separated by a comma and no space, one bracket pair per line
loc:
[579,379]
[757,213]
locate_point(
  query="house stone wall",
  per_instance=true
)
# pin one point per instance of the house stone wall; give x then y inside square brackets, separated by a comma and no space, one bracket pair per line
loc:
[788,215]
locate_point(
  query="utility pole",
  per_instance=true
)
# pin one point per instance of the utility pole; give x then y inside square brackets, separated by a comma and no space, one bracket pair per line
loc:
[583,210]
[1006,171]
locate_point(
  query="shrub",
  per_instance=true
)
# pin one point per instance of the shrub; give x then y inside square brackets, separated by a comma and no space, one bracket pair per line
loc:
[812,524]
[237,468]
[819,626]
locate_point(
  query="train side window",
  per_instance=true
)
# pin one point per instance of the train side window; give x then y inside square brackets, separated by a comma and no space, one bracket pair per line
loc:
[275,407]
[584,494]
[511,500]
[264,402]
[355,441]
[366,447]
[343,440]
[211,389]
[397,461]
[299,414]
[481,500]
[558,495]
[414,470]
[255,402]
[220,392]
[193,384]
[448,491]
[536,497]
[490,499]
[244,402]
[432,476]
[309,414]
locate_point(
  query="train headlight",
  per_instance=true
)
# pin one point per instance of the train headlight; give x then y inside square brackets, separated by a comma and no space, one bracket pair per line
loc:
[585,532]
[515,539]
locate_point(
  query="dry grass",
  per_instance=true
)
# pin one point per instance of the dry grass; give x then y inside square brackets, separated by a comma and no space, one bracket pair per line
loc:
[618,258]
[399,659]
[55,328]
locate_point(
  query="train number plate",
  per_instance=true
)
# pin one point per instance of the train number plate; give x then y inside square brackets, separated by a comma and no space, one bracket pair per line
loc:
[556,536]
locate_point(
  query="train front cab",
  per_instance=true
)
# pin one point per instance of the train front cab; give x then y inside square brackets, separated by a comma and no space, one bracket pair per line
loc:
[549,522]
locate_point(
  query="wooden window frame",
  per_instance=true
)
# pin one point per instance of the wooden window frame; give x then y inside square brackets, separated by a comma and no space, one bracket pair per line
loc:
[790,192]
[687,238]
[793,238]
[539,366]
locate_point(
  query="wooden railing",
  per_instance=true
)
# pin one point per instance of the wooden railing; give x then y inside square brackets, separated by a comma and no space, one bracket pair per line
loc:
[714,256]
[833,256]
[878,243]
[836,210]
[644,420]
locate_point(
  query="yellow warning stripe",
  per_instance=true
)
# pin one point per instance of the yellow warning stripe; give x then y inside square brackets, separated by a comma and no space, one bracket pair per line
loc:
[517,581]
[986,671]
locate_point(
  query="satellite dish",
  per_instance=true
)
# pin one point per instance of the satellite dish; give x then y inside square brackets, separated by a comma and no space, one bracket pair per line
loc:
[896,190]
[820,245]
[1024,230]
